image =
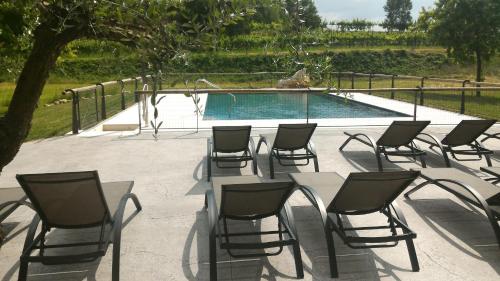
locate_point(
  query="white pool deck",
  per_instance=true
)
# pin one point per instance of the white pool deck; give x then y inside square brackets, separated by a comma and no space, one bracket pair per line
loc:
[178,112]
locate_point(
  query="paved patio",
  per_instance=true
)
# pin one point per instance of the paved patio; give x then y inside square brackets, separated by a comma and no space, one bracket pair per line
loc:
[168,239]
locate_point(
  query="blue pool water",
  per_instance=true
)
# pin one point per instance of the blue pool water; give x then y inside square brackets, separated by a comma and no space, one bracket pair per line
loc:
[288,106]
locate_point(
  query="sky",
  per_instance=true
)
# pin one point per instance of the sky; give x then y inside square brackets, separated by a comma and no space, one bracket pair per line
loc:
[372,10]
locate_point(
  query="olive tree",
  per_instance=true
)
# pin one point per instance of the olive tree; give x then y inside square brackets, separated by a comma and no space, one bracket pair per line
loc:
[155,27]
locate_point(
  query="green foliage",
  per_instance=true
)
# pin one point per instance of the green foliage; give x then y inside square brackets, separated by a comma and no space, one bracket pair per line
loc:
[301,14]
[398,15]
[467,28]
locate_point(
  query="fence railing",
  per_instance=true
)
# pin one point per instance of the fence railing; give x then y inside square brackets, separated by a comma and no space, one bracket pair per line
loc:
[94,103]
[462,100]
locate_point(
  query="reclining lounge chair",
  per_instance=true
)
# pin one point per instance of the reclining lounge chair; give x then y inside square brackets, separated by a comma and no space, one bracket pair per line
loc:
[398,134]
[284,144]
[230,144]
[359,194]
[466,133]
[472,189]
[75,200]
[247,198]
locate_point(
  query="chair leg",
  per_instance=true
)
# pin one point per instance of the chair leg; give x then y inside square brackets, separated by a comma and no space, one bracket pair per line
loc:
[446,159]
[422,160]
[316,165]
[413,255]
[209,167]
[488,160]
[261,140]
[23,269]
[332,257]
[254,165]
[271,166]
[298,260]
[379,160]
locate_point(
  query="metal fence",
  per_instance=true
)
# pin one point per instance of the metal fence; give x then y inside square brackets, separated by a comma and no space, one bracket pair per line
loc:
[301,104]
[94,103]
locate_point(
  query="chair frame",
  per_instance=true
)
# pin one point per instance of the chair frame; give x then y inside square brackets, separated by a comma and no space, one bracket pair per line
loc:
[286,226]
[490,136]
[248,155]
[35,242]
[476,148]
[412,149]
[495,176]
[396,220]
[479,201]
[274,152]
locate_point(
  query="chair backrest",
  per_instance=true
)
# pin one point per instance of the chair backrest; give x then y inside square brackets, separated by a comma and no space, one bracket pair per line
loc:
[254,200]
[401,133]
[66,200]
[467,131]
[369,192]
[229,139]
[293,136]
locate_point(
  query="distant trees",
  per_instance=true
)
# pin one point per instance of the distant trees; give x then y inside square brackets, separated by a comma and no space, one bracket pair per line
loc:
[398,15]
[469,29]
[301,13]
[354,25]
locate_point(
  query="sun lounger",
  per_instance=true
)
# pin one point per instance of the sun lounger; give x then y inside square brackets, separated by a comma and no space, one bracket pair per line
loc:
[79,201]
[230,144]
[359,194]
[466,133]
[291,142]
[400,134]
[248,198]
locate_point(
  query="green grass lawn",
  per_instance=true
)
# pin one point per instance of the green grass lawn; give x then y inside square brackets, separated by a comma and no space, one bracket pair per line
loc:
[47,121]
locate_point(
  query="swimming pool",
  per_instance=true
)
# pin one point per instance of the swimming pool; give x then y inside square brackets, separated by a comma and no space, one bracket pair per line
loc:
[289,106]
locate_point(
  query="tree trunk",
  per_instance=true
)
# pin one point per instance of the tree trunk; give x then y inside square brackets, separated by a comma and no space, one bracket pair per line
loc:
[15,125]
[479,70]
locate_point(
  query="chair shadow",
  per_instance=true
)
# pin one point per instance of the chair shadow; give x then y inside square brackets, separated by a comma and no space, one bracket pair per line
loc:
[357,264]
[78,271]
[229,267]
[7,231]
[469,225]
[366,161]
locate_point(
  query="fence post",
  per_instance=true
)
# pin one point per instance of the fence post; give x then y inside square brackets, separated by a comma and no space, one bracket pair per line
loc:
[136,85]
[419,89]
[370,83]
[338,80]
[462,99]
[352,80]
[96,103]
[122,93]
[392,85]
[74,108]
[103,101]
[422,83]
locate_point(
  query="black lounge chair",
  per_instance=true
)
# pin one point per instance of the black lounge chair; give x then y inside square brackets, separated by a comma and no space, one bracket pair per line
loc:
[10,199]
[400,134]
[284,144]
[466,133]
[230,144]
[247,198]
[359,194]
[467,187]
[74,200]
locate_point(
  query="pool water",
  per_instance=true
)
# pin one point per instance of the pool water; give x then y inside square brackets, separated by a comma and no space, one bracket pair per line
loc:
[289,106]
